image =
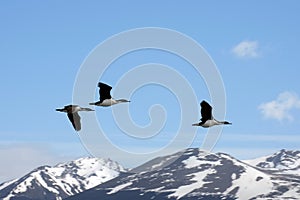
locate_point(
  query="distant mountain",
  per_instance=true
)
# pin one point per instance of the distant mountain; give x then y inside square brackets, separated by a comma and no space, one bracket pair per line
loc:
[283,161]
[189,174]
[195,174]
[60,181]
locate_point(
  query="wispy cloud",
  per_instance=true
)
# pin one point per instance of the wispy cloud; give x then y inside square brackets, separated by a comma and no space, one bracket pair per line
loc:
[246,49]
[281,107]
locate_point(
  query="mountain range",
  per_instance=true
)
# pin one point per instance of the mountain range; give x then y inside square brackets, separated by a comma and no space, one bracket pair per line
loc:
[188,174]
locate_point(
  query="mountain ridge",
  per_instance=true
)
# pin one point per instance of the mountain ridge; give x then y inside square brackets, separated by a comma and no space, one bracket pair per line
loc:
[195,174]
[187,174]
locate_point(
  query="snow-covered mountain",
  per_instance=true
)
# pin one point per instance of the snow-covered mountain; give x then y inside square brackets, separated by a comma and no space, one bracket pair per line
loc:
[195,174]
[189,174]
[62,180]
[283,161]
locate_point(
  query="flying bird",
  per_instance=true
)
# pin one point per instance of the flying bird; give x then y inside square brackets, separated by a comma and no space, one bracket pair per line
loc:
[72,112]
[105,97]
[207,119]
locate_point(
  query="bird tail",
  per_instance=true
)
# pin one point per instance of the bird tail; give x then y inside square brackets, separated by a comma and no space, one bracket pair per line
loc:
[93,103]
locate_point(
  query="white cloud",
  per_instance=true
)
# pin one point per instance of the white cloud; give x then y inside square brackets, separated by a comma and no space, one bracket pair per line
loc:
[280,108]
[246,49]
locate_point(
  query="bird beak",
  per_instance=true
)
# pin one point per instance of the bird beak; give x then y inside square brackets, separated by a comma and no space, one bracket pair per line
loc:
[195,124]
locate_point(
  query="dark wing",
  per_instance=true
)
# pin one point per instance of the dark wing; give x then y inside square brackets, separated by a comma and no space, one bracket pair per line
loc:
[104,91]
[75,120]
[206,111]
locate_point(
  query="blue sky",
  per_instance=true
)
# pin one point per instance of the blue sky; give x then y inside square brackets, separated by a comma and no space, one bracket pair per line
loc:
[254,44]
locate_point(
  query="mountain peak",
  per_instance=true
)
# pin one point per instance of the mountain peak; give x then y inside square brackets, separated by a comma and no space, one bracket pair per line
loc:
[281,160]
[62,180]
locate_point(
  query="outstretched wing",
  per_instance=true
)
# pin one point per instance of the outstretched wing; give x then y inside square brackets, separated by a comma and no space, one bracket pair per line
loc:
[104,91]
[75,120]
[206,111]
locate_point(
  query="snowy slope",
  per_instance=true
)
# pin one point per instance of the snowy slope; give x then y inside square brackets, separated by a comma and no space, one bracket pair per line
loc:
[195,174]
[62,180]
[283,161]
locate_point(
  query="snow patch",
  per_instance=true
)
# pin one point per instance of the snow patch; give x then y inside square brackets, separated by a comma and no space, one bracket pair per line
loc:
[119,187]
[186,189]
[248,185]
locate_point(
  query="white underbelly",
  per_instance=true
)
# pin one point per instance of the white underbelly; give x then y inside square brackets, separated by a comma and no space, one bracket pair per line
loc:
[108,102]
[209,123]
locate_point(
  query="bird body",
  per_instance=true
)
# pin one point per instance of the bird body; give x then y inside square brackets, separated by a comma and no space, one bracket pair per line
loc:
[105,97]
[207,119]
[210,123]
[72,113]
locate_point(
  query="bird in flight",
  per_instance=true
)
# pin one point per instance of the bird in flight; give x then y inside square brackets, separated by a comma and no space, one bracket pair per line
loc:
[207,119]
[105,97]
[72,112]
